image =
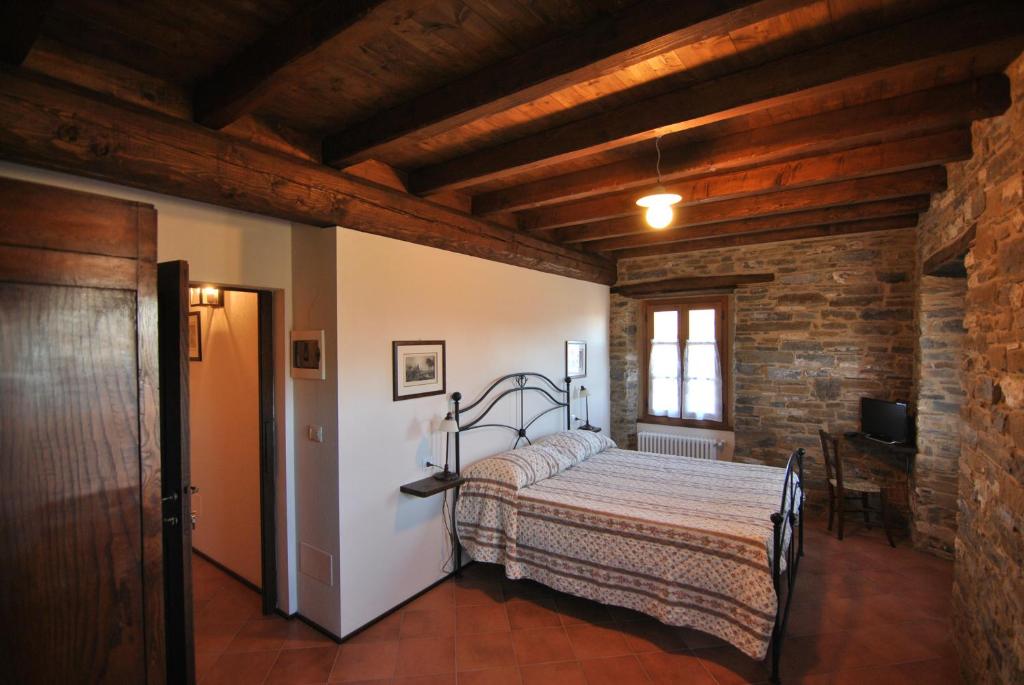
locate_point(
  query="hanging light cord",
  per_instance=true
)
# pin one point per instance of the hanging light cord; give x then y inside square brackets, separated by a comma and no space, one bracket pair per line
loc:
[657,146]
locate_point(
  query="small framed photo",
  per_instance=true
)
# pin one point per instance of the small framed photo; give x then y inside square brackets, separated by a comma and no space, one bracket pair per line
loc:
[195,337]
[575,358]
[418,368]
[308,355]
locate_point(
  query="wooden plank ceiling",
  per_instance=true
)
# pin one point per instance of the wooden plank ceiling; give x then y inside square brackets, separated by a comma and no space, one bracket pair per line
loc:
[533,122]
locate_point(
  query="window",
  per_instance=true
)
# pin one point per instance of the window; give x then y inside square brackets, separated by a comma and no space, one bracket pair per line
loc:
[687,362]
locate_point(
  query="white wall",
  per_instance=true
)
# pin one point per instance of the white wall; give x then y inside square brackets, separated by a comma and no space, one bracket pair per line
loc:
[316,403]
[230,248]
[496,319]
[224,425]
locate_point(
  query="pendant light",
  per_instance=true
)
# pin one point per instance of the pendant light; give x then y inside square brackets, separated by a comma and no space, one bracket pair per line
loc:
[659,201]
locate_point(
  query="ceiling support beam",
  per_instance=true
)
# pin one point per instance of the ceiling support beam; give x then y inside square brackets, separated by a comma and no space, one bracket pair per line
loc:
[919,113]
[948,260]
[826,231]
[20,24]
[936,41]
[857,191]
[239,87]
[670,286]
[56,127]
[916,153]
[814,217]
[608,45]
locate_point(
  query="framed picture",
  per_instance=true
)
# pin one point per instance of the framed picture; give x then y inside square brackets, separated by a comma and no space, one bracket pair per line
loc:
[195,337]
[575,358]
[418,368]
[308,355]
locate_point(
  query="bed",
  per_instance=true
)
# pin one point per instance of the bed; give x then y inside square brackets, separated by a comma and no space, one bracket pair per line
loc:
[703,544]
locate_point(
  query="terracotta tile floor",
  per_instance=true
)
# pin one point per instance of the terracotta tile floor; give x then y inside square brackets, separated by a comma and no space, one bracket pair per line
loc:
[863,613]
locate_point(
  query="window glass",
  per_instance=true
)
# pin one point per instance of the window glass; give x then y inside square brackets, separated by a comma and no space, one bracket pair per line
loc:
[666,326]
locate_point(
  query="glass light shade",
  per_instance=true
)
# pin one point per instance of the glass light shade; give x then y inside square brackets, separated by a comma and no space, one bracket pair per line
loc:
[659,203]
[584,392]
[659,216]
[659,197]
[448,424]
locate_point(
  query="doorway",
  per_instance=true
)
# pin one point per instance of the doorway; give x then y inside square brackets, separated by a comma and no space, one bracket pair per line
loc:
[219,444]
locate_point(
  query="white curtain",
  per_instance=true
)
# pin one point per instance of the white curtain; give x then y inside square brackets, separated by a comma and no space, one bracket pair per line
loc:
[702,382]
[663,385]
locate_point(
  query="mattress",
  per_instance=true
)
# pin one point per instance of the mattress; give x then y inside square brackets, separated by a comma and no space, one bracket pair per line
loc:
[686,541]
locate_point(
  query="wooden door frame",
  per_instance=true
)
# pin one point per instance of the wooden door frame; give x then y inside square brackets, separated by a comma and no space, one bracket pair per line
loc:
[267,440]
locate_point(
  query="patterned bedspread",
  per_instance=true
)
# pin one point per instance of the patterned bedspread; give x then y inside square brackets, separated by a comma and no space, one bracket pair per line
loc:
[686,541]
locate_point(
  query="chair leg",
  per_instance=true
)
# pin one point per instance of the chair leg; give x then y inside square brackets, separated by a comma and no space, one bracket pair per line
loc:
[885,518]
[864,505]
[839,512]
[831,507]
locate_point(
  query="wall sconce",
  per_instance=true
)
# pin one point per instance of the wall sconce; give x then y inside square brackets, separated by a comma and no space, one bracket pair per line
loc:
[205,296]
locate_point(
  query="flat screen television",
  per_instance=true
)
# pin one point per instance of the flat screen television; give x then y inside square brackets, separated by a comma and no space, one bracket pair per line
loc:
[885,421]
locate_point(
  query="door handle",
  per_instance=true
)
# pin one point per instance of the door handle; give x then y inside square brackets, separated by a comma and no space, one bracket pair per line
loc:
[171,520]
[193,489]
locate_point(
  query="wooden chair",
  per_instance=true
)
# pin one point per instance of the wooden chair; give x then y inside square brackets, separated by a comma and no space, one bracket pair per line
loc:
[841,489]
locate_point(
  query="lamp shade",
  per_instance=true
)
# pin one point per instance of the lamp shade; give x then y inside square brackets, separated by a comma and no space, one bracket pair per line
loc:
[584,392]
[448,425]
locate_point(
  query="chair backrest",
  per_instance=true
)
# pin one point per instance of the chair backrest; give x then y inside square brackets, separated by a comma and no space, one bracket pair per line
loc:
[833,464]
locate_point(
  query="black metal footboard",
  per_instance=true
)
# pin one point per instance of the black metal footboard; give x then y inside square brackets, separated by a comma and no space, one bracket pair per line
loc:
[788,523]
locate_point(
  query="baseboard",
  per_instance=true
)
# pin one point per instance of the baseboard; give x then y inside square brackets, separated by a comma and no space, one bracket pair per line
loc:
[244,581]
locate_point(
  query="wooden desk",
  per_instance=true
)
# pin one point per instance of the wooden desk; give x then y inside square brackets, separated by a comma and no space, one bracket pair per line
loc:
[902,453]
[889,465]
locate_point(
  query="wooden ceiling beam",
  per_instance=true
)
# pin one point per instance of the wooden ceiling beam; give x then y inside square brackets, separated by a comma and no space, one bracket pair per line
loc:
[896,118]
[237,88]
[669,286]
[20,24]
[825,231]
[945,38]
[948,260]
[604,47]
[54,126]
[856,191]
[904,155]
[814,217]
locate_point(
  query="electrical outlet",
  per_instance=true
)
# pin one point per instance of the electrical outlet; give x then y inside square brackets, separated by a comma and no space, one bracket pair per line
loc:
[315,433]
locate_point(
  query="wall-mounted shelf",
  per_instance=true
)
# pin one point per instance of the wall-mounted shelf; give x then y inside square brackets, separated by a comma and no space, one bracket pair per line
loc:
[429,486]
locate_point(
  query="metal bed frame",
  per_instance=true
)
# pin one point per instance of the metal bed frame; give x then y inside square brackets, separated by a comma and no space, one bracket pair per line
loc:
[787,522]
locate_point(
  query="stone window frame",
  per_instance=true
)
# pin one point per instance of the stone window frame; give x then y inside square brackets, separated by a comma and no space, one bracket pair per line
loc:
[722,305]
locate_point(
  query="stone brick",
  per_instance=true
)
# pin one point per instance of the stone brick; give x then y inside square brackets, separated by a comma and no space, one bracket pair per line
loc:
[988,590]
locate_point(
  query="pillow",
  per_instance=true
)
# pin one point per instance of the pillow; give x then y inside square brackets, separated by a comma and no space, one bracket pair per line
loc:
[577,445]
[518,468]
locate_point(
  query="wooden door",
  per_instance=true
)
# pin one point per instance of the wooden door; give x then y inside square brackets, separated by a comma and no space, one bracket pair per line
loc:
[80,510]
[172,295]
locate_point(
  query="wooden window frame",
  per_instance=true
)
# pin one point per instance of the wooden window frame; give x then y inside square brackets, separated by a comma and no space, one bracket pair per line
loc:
[721,303]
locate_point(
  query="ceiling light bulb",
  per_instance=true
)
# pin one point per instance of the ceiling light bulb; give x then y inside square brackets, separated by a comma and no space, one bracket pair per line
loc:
[659,206]
[659,216]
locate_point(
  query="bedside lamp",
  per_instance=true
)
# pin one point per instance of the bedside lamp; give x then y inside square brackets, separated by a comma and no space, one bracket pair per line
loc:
[585,396]
[448,426]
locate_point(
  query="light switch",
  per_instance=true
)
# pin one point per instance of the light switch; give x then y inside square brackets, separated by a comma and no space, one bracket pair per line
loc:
[315,433]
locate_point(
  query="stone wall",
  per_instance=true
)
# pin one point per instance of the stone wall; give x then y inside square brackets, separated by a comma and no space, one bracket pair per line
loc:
[939,398]
[988,592]
[837,324]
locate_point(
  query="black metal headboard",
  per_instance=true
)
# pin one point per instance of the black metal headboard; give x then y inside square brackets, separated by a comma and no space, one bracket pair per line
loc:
[512,384]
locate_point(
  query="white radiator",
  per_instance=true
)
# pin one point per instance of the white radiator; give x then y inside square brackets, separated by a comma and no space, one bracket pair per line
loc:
[679,445]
